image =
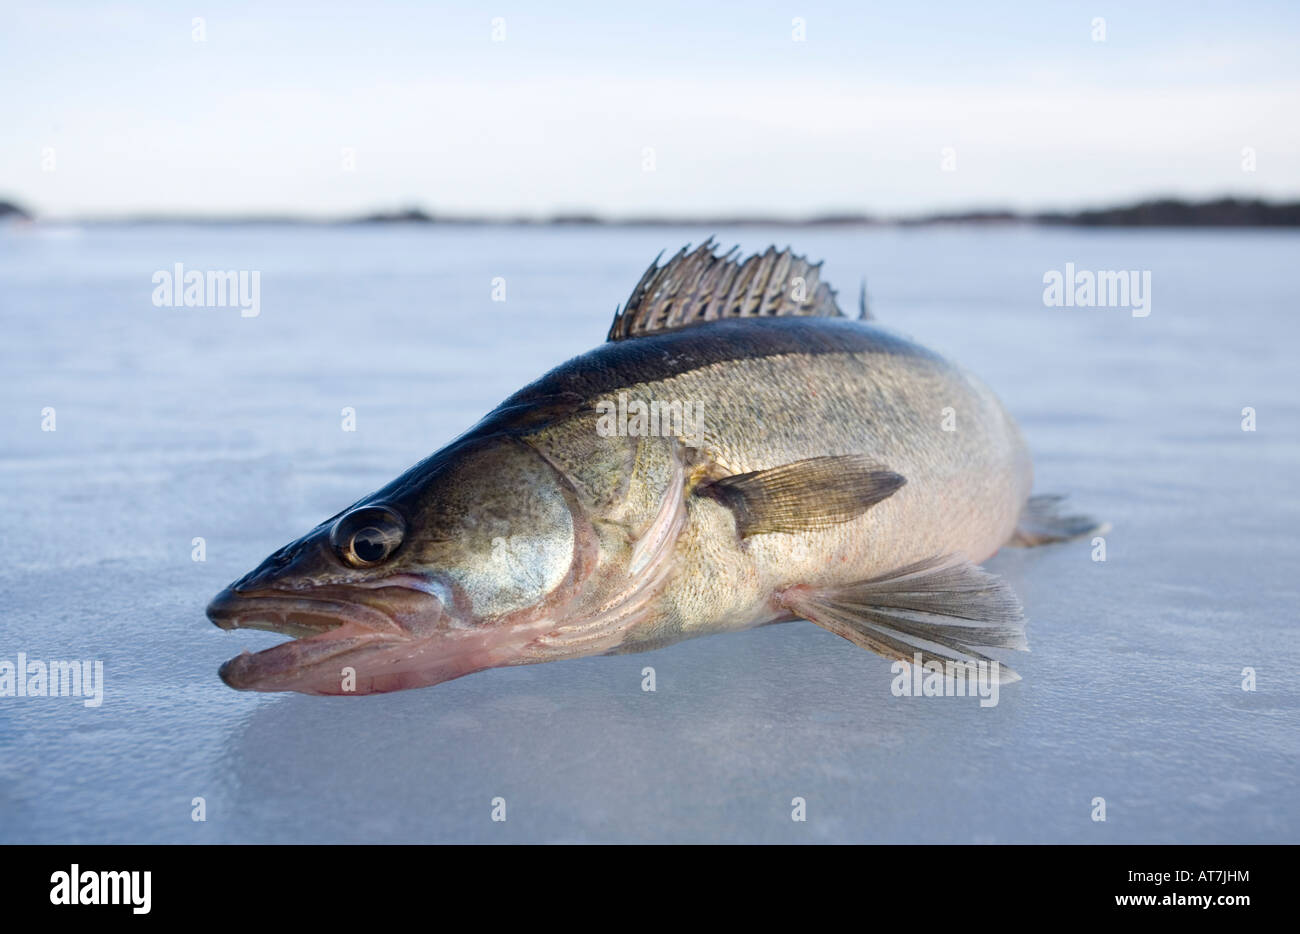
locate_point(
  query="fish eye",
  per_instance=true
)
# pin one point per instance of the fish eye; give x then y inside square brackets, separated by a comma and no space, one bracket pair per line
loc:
[368,536]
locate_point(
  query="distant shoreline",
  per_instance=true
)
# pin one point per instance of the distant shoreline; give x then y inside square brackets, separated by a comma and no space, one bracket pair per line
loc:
[1156,212]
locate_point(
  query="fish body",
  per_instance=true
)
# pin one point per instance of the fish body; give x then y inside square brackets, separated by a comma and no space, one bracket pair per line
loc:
[732,457]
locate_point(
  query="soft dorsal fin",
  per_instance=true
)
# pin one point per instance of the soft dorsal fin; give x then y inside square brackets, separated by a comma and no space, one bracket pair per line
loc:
[701,285]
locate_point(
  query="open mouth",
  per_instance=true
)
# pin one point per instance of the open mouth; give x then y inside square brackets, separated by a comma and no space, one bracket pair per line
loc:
[328,628]
[367,639]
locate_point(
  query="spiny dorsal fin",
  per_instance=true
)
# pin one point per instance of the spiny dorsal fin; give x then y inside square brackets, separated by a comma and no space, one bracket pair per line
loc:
[700,285]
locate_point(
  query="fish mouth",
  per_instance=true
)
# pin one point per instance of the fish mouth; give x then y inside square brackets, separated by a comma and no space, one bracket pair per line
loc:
[375,638]
[294,613]
[331,629]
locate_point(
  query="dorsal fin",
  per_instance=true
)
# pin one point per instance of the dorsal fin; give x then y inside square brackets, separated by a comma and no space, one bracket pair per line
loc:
[701,285]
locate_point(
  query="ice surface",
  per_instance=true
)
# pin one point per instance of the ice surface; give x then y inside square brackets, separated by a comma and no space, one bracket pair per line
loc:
[181,422]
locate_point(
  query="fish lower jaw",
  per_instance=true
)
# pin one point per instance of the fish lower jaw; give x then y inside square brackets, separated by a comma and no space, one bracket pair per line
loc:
[300,661]
[352,660]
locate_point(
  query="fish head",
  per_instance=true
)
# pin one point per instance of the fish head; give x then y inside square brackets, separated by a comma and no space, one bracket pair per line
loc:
[458,565]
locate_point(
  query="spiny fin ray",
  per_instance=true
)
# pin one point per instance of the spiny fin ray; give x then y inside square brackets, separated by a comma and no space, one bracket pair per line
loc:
[700,285]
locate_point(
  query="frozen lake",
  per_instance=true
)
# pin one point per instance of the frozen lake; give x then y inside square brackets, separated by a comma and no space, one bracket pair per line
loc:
[177,423]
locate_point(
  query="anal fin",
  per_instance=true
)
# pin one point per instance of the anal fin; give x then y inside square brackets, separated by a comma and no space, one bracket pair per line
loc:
[945,609]
[1041,523]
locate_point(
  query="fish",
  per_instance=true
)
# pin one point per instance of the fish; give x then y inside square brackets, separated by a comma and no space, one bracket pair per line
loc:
[739,452]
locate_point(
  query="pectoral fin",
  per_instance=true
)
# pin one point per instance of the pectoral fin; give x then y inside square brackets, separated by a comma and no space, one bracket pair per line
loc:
[942,608]
[804,495]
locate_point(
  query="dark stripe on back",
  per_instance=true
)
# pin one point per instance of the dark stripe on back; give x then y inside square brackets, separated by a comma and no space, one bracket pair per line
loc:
[665,354]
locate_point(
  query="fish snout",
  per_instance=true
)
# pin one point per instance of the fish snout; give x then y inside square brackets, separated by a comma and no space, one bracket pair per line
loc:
[223,609]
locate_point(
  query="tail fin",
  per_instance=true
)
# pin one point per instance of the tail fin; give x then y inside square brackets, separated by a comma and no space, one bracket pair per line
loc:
[1041,523]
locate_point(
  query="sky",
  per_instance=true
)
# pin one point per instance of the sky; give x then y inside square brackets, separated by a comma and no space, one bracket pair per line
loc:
[673,109]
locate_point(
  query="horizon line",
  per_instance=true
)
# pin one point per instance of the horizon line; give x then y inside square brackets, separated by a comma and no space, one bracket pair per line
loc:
[1225,210]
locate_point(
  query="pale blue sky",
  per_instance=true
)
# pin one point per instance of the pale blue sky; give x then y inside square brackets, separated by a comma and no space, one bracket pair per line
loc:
[112,108]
